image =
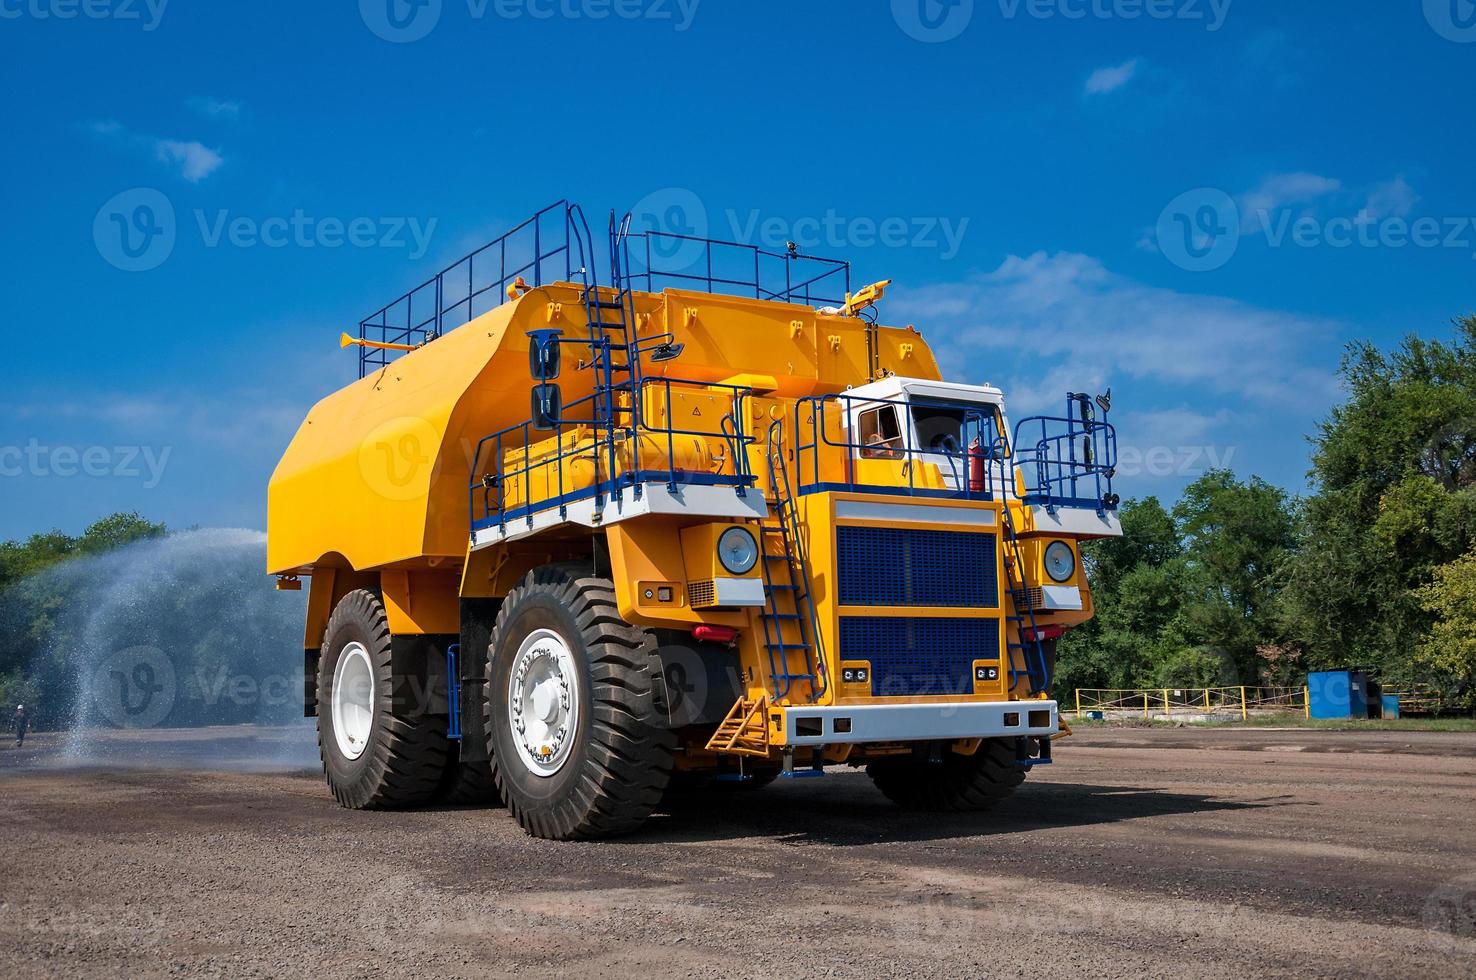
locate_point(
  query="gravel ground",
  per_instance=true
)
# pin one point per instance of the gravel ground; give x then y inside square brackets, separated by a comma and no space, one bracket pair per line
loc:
[1174,853]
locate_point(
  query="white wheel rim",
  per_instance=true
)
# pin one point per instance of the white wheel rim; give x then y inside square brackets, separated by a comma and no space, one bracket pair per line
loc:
[353,700]
[543,702]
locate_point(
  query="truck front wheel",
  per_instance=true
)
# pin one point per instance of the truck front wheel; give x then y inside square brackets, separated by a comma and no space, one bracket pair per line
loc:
[954,782]
[578,747]
[379,752]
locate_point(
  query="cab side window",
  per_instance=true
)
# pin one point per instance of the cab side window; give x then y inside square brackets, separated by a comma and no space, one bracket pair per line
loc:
[881,435]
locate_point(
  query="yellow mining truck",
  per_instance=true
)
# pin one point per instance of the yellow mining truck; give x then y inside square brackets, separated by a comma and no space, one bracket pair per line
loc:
[700,526]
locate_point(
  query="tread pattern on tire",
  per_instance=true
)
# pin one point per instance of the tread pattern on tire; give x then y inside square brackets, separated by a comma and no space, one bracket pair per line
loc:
[958,783]
[407,756]
[628,755]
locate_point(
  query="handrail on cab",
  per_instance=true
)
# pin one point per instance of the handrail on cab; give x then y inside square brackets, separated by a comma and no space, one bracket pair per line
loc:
[1068,460]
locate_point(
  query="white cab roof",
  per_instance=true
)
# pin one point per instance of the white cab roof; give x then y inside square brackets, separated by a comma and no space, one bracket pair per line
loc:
[901,389]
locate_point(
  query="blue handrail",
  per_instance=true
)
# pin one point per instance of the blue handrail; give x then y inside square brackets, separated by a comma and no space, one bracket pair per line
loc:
[487,501]
[1068,460]
[555,245]
[538,249]
[724,267]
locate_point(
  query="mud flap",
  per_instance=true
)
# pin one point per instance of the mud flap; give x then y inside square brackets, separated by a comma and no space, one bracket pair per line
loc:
[477,618]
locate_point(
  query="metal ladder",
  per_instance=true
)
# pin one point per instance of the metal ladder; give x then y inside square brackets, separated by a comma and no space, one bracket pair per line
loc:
[780,543]
[609,332]
[1032,651]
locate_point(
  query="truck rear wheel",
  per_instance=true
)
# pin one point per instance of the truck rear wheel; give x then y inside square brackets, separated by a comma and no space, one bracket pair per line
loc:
[377,753]
[957,782]
[578,747]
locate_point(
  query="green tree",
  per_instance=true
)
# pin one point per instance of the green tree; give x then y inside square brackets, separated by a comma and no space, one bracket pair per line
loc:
[1237,539]
[1394,472]
[1136,589]
[1450,647]
[117,530]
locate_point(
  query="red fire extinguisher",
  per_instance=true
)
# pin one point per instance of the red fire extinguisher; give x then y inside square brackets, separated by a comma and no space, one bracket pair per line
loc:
[976,467]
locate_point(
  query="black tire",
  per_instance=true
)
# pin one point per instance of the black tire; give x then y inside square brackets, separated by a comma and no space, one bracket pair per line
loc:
[620,759]
[957,782]
[405,756]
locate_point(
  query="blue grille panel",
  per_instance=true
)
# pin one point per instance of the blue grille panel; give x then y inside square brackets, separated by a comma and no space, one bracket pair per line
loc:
[913,656]
[886,566]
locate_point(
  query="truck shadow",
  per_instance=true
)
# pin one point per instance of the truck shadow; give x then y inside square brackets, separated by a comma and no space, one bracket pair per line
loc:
[843,816]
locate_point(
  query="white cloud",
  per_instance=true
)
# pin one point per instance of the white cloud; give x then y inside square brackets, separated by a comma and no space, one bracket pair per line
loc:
[1198,381]
[213,108]
[1105,80]
[1047,324]
[1394,199]
[1280,191]
[196,161]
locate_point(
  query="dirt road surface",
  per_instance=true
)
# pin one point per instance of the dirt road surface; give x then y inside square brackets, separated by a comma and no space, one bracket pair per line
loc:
[1145,853]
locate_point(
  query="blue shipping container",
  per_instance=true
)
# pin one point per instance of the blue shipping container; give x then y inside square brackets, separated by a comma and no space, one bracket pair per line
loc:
[1338,693]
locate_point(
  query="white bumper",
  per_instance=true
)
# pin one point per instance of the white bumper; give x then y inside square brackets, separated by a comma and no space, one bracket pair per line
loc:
[917,722]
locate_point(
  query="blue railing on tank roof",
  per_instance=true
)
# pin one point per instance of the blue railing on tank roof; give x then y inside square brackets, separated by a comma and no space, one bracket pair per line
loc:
[554,245]
[658,259]
[538,250]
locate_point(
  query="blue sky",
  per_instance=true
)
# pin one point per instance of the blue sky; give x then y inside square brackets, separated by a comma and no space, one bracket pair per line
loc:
[1196,203]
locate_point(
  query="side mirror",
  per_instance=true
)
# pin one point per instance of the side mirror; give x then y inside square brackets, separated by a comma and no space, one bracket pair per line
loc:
[547,406]
[666,352]
[543,354]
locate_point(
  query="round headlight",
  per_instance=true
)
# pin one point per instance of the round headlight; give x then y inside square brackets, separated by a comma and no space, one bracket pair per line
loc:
[737,550]
[1060,561]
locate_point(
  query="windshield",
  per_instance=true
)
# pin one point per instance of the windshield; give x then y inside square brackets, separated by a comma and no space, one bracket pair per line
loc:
[950,427]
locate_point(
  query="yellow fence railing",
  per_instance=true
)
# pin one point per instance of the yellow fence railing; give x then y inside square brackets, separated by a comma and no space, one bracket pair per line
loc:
[1202,700]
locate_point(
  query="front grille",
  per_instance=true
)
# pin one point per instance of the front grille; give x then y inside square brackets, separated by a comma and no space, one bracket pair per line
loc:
[885,566]
[912,656]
